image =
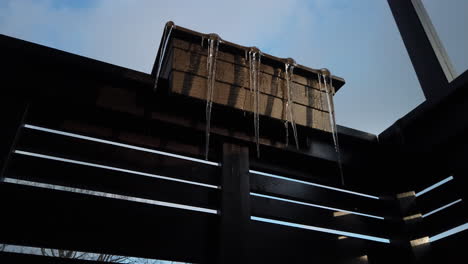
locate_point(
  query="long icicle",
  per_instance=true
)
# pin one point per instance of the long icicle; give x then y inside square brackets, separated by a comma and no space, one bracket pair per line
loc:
[331,112]
[213,45]
[257,73]
[166,36]
[254,68]
[289,71]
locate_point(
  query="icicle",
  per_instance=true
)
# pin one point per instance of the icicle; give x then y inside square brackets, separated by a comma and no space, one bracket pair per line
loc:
[166,35]
[319,78]
[289,71]
[250,71]
[254,68]
[331,111]
[213,45]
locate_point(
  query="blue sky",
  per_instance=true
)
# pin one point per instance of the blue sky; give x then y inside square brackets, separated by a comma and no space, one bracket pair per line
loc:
[357,40]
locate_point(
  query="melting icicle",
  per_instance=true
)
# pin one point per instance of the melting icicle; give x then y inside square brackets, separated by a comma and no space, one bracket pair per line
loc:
[166,35]
[289,71]
[213,45]
[254,68]
[331,111]
[319,78]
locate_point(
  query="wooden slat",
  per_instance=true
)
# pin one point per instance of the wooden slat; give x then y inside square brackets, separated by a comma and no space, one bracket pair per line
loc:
[449,250]
[439,197]
[55,219]
[12,111]
[241,99]
[316,195]
[114,125]
[271,243]
[441,221]
[444,220]
[302,214]
[79,176]
[236,59]
[238,76]
[120,157]
[155,130]
[191,119]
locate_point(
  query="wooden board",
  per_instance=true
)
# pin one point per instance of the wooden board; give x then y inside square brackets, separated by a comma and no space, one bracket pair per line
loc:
[185,66]
[238,74]
[236,59]
[226,94]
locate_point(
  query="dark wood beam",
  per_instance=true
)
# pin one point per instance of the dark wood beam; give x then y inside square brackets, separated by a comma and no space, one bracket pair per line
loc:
[235,204]
[425,58]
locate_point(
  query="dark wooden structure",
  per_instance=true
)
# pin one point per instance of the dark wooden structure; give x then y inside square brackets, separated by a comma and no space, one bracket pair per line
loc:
[94,160]
[184,64]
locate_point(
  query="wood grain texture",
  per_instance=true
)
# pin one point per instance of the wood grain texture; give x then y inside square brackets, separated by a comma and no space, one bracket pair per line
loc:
[185,66]
[239,60]
[238,74]
[239,98]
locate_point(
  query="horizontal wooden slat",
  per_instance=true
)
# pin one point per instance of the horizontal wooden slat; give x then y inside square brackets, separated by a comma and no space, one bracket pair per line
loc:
[115,125]
[182,131]
[56,219]
[241,61]
[104,154]
[85,177]
[450,249]
[238,75]
[316,195]
[320,164]
[241,99]
[438,197]
[302,214]
[443,220]
[271,243]
[235,124]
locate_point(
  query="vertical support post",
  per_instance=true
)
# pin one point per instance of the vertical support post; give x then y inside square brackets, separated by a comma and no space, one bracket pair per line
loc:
[417,245]
[12,113]
[423,55]
[235,204]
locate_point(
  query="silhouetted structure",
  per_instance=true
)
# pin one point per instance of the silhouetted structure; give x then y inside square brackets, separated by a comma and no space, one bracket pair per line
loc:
[94,160]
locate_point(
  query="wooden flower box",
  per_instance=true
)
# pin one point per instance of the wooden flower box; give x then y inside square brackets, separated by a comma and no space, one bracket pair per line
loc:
[184,64]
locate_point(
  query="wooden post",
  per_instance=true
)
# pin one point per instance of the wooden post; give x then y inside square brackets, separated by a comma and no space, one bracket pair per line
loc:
[418,247]
[426,60]
[12,113]
[235,204]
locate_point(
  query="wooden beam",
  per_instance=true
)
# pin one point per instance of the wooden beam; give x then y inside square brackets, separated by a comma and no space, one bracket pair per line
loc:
[12,112]
[434,39]
[418,43]
[235,204]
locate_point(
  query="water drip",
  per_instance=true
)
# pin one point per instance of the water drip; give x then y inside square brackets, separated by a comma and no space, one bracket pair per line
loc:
[289,71]
[166,36]
[213,45]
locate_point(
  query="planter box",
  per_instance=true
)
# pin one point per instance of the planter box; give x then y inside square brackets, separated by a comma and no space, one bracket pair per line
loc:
[185,66]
